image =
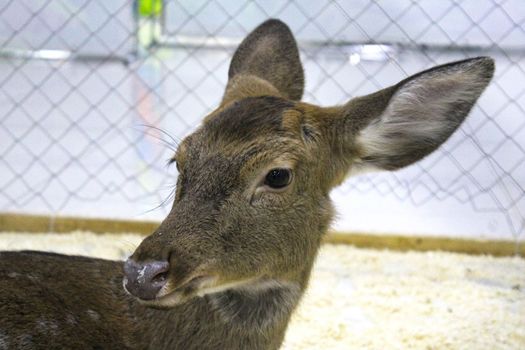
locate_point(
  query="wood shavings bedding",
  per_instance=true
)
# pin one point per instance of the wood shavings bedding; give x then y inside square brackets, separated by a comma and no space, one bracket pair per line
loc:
[371,299]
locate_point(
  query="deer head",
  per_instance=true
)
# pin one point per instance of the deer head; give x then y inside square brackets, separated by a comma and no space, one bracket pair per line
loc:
[252,199]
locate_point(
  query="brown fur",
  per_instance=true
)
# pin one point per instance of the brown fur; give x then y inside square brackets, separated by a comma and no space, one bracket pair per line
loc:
[259,244]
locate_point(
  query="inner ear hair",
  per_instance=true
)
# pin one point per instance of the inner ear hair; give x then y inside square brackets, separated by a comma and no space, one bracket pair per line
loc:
[422,112]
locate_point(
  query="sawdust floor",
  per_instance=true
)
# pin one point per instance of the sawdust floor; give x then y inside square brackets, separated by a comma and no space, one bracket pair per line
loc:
[370,299]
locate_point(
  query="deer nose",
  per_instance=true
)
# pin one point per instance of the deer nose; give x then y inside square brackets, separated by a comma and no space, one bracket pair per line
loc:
[144,280]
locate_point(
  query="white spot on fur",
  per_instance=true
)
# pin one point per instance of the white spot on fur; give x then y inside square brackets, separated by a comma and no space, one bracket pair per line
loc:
[70,319]
[46,326]
[93,315]
[32,278]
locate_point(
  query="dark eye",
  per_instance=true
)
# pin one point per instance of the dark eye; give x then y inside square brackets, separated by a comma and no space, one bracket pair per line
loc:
[278,178]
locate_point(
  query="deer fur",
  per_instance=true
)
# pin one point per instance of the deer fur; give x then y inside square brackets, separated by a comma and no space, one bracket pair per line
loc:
[239,251]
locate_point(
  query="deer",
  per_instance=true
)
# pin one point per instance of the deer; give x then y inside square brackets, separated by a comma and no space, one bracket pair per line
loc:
[228,265]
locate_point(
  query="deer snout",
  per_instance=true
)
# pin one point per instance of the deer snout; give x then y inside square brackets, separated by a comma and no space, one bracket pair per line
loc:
[144,280]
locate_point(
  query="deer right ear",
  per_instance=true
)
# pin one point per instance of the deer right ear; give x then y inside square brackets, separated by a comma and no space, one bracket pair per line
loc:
[400,125]
[266,63]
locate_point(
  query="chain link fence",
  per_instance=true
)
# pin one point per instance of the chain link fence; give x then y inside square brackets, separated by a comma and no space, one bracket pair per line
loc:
[95,95]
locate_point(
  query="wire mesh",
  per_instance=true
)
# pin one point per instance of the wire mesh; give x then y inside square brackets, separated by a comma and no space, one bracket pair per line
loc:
[95,95]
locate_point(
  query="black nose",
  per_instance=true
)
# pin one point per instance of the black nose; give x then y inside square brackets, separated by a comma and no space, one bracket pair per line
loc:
[144,280]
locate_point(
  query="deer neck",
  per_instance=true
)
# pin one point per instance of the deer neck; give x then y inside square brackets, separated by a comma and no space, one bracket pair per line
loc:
[256,316]
[259,306]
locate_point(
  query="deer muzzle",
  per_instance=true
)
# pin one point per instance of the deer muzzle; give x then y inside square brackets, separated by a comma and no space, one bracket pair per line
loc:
[145,280]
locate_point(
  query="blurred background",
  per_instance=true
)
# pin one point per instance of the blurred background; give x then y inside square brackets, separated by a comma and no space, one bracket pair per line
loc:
[95,95]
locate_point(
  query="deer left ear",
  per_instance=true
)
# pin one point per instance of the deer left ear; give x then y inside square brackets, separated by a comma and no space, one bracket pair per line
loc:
[266,63]
[400,125]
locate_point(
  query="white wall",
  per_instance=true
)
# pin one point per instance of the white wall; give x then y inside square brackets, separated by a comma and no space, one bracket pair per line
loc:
[71,140]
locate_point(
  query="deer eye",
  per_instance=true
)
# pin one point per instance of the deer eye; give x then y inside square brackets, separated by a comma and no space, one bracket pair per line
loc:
[278,178]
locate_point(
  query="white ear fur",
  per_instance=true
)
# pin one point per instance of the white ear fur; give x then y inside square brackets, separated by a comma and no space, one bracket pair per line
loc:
[422,114]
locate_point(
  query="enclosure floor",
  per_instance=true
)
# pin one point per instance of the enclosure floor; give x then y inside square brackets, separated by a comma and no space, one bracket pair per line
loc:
[370,299]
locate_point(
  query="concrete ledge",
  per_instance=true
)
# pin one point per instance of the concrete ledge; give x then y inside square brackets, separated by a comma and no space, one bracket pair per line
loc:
[41,223]
[424,243]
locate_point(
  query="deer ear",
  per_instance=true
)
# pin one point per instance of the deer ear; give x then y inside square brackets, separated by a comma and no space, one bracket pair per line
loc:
[266,63]
[400,125]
